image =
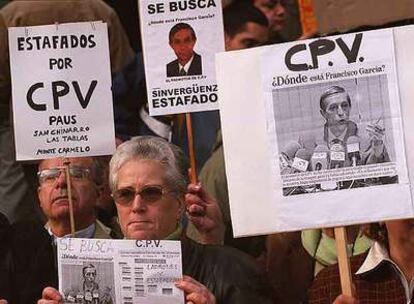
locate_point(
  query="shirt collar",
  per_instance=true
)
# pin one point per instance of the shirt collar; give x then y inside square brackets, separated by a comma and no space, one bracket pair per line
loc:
[332,137]
[158,127]
[86,233]
[376,255]
[186,67]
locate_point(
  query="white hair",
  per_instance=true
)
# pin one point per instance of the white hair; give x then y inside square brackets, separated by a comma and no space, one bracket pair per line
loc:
[151,148]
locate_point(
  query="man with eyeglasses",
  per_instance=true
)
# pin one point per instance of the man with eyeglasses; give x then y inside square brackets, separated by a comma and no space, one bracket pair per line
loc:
[31,254]
[148,183]
[86,175]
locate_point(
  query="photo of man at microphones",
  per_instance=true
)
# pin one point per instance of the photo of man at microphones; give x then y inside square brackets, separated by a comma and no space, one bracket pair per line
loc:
[329,159]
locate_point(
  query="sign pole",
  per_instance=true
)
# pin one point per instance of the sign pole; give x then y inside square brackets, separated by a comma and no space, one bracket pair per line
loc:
[69,183]
[191,152]
[307,19]
[343,260]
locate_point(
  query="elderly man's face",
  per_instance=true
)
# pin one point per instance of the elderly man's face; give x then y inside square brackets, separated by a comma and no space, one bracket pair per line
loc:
[253,35]
[53,189]
[274,11]
[143,218]
[183,43]
[337,109]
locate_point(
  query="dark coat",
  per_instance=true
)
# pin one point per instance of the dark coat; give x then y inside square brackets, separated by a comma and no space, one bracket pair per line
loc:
[290,267]
[30,263]
[195,67]
[231,275]
[31,266]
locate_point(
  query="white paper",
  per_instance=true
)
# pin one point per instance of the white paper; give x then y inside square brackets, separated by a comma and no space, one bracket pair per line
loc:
[72,60]
[119,271]
[258,202]
[169,93]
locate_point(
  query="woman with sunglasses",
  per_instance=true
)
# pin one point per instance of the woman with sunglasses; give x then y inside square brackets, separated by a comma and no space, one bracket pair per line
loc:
[149,187]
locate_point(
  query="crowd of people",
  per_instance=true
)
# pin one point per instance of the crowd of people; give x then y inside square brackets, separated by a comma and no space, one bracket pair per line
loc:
[141,192]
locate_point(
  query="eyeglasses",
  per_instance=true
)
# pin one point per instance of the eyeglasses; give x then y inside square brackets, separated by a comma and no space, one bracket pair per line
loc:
[49,176]
[149,194]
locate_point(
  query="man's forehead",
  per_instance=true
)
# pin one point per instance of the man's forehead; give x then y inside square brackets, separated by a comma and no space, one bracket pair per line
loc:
[336,98]
[183,33]
[61,161]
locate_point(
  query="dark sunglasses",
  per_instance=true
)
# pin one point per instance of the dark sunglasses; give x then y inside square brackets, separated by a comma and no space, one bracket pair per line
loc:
[150,194]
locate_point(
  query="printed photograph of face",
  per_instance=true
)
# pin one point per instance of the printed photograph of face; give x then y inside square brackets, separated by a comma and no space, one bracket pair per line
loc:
[93,282]
[182,40]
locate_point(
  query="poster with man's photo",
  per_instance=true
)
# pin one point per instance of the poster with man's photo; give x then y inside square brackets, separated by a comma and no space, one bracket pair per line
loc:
[102,271]
[334,114]
[324,126]
[180,40]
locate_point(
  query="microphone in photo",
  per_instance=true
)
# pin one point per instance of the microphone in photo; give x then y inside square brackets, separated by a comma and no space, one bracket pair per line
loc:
[302,160]
[290,149]
[287,155]
[319,160]
[337,155]
[353,150]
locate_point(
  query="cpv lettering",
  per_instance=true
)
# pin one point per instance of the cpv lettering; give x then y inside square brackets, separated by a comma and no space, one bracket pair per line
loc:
[59,90]
[147,243]
[322,47]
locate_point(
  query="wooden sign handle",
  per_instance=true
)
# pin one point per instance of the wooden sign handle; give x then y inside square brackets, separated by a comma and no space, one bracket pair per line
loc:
[343,260]
[191,152]
[307,19]
[69,183]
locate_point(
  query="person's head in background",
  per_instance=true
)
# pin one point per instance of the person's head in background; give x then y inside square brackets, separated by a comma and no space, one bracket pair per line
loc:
[275,12]
[86,177]
[245,26]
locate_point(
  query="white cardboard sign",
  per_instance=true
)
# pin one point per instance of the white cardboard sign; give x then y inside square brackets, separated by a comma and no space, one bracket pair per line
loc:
[180,40]
[61,89]
[276,103]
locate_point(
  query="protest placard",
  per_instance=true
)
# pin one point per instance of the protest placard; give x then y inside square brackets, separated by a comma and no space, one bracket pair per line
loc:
[119,271]
[180,40]
[324,143]
[61,89]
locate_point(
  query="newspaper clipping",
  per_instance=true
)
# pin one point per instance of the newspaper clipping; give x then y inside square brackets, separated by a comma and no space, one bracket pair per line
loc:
[335,114]
[180,40]
[97,271]
[67,103]
[322,135]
